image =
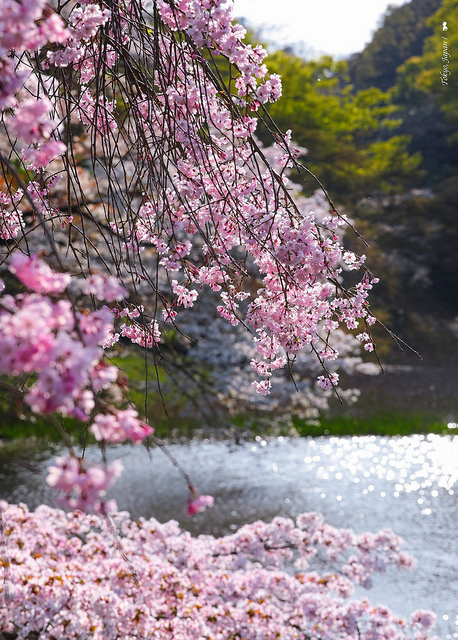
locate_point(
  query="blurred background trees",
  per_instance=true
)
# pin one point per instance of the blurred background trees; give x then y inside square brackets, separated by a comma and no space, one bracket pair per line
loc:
[381,132]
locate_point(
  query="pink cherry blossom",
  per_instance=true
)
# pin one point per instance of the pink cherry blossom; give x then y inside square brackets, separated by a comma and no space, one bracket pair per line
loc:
[425,619]
[105,288]
[328,382]
[86,20]
[40,156]
[83,487]
[11,223]
[199,503]
[31,120]
[99,113]
[37,275]
[185,297]
[120,426]
[96,576]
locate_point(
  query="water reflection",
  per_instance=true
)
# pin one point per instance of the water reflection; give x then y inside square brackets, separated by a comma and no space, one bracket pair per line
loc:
[407,484]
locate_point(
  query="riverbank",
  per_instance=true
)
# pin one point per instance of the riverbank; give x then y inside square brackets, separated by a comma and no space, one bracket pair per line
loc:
[404,400]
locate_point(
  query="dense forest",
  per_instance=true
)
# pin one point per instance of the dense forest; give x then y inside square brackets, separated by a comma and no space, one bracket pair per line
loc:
[381,133]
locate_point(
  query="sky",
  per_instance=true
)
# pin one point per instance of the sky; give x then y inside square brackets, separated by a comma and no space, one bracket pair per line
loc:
[336,27]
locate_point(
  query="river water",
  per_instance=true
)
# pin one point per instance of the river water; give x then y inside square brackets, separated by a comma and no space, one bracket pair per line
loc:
[408,484]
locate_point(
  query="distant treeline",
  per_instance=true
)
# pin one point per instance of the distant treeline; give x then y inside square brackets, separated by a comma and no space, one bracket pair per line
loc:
[381,132]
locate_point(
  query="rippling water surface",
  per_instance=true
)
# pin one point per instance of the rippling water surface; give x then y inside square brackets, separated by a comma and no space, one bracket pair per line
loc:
[408,484]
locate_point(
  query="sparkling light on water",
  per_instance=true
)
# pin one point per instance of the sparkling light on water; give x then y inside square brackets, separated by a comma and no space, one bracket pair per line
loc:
[407,484]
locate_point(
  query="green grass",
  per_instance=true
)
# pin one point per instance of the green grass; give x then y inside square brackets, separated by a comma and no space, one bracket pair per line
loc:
[179,410]
[179,427]
[27,425]
[385,424]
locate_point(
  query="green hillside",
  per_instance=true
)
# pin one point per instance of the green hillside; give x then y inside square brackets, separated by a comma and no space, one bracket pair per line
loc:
[400,37]
[381,130]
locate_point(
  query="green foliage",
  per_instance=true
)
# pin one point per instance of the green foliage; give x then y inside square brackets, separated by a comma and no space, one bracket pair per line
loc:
[382,136]
[348,136]
[417,233]
[399,38]
[425,72]
[427,94]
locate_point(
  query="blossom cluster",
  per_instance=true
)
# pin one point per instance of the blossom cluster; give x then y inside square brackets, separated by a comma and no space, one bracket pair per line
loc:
[81,486]
[218,202]
[26,27]
[206,201]
[66,580]
[47,337]
[42,333]
[223,200]
[210,26]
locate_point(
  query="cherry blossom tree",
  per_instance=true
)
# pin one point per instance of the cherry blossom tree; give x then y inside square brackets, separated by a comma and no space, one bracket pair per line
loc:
[132,181]
[66,581]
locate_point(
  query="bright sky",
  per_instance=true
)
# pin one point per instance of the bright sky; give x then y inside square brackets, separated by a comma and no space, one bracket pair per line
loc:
[337,27]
